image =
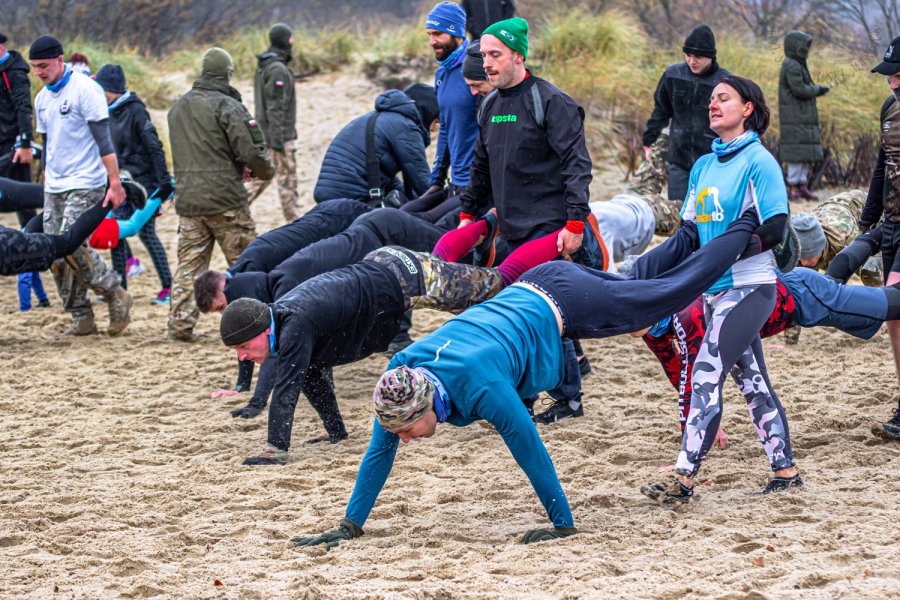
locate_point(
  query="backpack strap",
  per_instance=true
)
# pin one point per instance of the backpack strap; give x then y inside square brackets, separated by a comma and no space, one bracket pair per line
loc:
[373,166]
[538,106]
[479,117]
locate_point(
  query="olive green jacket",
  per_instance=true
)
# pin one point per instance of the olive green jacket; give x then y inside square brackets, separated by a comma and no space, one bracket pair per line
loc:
[273,98]
[213,138]
[797,112]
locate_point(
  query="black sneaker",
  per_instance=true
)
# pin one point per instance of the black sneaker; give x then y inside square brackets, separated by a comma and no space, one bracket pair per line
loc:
[45,303]
[529,404]
[780,484]
[484,253]
[558,411]
[671,491]
[892,427]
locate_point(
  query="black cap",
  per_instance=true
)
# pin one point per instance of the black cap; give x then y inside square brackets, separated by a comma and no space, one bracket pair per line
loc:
[243,320]
[473,63]
[426,101]
[45,46]
[891,62]
[700,42]
[3,39]
[111,78]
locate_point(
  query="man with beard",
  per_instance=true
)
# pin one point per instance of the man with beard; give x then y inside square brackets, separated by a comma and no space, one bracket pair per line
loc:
[446,29]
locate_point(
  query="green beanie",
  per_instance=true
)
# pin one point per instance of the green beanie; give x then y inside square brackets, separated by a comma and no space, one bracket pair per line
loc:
[280,36]
[217,63]
[512,32]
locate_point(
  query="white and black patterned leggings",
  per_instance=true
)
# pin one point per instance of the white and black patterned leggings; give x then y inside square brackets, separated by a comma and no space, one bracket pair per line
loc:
[734,318]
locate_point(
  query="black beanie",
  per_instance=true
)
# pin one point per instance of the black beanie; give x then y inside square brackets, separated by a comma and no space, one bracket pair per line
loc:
[111,78]
[45,46]
[280,36]
[426,101]
[700,42]
[3,39]
[244,319]
[473,64]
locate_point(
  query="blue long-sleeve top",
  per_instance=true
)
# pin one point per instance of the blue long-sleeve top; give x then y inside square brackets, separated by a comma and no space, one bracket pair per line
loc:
[132,225]
[459,127]
[488,359]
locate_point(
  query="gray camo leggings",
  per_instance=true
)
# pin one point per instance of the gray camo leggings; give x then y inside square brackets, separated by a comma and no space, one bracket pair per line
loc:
[733,321]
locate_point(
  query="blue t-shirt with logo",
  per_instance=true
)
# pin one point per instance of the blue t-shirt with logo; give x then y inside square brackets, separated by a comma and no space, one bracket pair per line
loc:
[720,192]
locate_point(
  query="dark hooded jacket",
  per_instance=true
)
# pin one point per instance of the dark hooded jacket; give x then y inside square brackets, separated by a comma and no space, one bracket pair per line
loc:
[481,14]
[15,98]
[400,141]
[797,112]
[274,99]
[137,144]
[683,98]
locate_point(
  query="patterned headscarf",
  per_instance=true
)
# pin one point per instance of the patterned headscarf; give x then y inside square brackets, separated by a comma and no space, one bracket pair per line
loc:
[402,396]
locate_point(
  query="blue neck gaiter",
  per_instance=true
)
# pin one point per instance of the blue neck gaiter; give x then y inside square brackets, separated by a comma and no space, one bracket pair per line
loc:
[724,149]
[441,397]
[55,87]
[454,56]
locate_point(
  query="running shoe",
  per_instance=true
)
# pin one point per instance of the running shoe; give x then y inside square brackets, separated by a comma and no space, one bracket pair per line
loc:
[780,484]
[892,427]
[162,297]
[270,455]
[485,252]
[45,303]
[133,268]
[670,491]
[558,411]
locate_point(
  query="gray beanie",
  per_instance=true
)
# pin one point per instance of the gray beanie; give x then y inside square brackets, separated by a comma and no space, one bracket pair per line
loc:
[810,234]
[217,63]
[244,319]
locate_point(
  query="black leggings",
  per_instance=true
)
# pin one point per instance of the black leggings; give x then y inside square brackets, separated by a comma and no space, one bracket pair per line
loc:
[28,251]
[596,304]
[434,206]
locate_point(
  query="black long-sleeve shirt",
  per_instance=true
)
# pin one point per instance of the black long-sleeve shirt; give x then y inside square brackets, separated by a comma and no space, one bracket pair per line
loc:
[884,190]
[538,172]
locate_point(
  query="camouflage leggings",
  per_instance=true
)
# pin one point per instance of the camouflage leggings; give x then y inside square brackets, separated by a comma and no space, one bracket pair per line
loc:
[734,318]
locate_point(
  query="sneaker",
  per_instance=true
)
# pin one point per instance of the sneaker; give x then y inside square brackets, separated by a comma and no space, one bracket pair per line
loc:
[558,411]
[485,252]
[671,491]
[133,268]
[780,484]
[79,328]
[269,456]
[529,404]
[183,336]
[162,297]
[45,303]
[336,438]
[120,303]
[892,427]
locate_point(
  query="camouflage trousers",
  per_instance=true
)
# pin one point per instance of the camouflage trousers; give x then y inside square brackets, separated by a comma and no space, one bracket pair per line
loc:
[734,318]
[84,270]
[454,287]
[666,212]
[286,178]
[232,231]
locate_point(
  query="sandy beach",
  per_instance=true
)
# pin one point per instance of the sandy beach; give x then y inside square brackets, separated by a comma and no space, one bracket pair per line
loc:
[121,478]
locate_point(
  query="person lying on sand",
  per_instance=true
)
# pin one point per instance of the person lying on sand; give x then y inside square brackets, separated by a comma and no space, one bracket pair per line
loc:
[484,362]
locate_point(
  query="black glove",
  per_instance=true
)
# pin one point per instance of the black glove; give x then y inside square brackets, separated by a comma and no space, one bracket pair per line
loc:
[248,412]
[823,90]
[542,535]
[347,531]
[165,190]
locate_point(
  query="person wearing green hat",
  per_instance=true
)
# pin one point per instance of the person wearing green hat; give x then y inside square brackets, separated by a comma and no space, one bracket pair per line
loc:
[216,146]
[275,104]
[884,196]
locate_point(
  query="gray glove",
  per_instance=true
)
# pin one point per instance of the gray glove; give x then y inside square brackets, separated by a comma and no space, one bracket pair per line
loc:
[542,535]
[347,531]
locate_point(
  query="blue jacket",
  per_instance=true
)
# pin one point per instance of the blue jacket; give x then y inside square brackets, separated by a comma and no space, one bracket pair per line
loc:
[459,126]
[400,141]
[487,362]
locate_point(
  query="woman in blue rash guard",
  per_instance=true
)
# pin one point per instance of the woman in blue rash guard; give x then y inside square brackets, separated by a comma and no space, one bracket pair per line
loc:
[739,173]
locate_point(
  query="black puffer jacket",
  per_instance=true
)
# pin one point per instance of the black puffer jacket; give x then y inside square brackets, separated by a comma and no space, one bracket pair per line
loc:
[15,98]
[137,144]
[683,98]
[400,141]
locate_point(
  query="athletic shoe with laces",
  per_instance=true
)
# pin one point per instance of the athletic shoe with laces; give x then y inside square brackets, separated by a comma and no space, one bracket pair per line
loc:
[162,297]
[133,268]
[45,303]
[485,252]
[780,484]
[558,411]
[892,427]
[670,491]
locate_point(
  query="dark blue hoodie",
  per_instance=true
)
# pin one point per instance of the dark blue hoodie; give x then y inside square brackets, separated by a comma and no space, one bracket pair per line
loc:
[400,141]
